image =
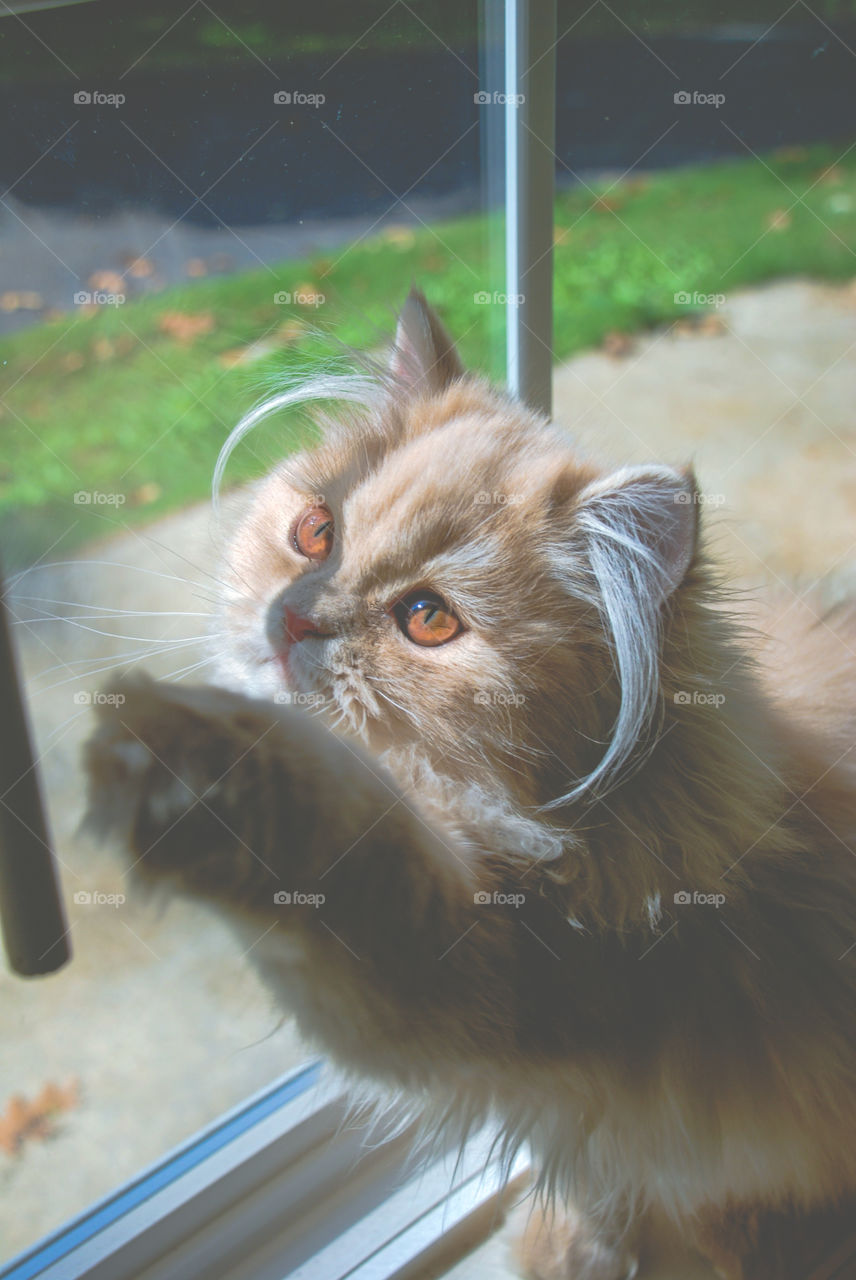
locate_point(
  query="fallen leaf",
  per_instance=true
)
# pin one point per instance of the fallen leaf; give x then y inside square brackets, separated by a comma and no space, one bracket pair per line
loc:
[184,327]
[778,220]
[233,356]
[103,349]
[616,344]
[106,282]
[791,153]
[146,493]
[196,267]
[248,354]
[290,331]
[21,300]
[831,176]
[307,294]
[140,268]
[71,362]
[401,237]
[23,1121]
[710,324]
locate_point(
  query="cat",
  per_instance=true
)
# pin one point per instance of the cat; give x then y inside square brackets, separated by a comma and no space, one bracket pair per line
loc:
[541,823]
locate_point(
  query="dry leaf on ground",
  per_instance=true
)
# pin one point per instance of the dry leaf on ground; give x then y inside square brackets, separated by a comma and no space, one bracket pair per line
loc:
[23,1121]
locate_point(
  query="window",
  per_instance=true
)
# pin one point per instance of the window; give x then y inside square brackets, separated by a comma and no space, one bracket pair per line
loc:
[194,197]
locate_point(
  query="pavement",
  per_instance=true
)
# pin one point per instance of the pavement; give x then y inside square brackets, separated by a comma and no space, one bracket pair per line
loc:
[160,1017]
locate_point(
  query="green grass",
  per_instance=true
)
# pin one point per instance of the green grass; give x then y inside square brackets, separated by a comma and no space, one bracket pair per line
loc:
[110,402]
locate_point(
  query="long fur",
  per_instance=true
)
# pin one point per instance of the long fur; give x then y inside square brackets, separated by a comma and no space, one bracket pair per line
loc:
[587,869]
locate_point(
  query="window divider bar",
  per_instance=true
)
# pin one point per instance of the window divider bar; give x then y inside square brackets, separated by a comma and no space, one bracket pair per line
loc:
[530,132]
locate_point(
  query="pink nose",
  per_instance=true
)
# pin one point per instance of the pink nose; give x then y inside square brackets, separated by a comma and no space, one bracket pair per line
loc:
[296,627]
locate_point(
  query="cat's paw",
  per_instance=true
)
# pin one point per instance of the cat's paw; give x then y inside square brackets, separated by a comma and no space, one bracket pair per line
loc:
[564,1246]
[171,774]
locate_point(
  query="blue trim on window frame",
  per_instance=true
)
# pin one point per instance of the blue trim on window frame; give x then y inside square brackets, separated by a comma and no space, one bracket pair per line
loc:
[184,1158]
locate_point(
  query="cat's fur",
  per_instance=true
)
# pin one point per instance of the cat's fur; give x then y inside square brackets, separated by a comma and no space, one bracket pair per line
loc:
[604,735]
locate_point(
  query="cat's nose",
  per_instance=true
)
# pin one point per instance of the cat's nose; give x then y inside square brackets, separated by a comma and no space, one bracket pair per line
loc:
[298,627]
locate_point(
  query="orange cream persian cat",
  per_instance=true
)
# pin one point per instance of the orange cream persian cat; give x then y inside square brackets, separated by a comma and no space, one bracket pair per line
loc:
[586,839]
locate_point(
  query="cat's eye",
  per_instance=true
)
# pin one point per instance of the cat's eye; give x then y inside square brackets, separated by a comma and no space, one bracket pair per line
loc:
[426,619]
[313,534]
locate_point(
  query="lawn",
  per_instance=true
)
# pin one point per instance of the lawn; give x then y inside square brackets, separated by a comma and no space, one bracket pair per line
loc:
[135,400]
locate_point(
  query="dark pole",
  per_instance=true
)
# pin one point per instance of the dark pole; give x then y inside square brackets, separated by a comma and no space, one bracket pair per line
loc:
[35,931]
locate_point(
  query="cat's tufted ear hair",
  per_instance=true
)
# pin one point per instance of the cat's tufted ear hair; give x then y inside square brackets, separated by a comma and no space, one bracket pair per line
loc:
[649,515]
[424,359]
[633,538]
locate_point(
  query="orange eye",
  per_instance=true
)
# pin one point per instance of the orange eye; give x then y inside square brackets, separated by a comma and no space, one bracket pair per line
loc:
[313,534]
[426,619]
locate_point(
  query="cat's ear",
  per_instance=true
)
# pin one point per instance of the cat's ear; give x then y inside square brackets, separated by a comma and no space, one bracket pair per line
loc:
[632,537]
[649,517]
[424,359]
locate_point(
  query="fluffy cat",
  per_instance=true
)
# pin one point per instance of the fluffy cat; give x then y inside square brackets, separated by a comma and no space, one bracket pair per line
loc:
[585,839]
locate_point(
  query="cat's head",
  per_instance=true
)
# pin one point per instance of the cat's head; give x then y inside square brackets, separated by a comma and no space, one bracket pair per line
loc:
[444,572]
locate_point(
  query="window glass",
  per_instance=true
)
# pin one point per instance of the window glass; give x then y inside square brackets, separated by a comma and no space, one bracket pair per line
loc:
[195,199]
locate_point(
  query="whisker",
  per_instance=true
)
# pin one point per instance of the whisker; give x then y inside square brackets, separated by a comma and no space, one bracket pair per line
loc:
[133,613]
[193,666]
[110,666]
[112,635]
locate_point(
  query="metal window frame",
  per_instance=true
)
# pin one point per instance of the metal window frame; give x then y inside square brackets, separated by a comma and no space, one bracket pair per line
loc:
[287,1185]
[530,132]
[282,1186]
